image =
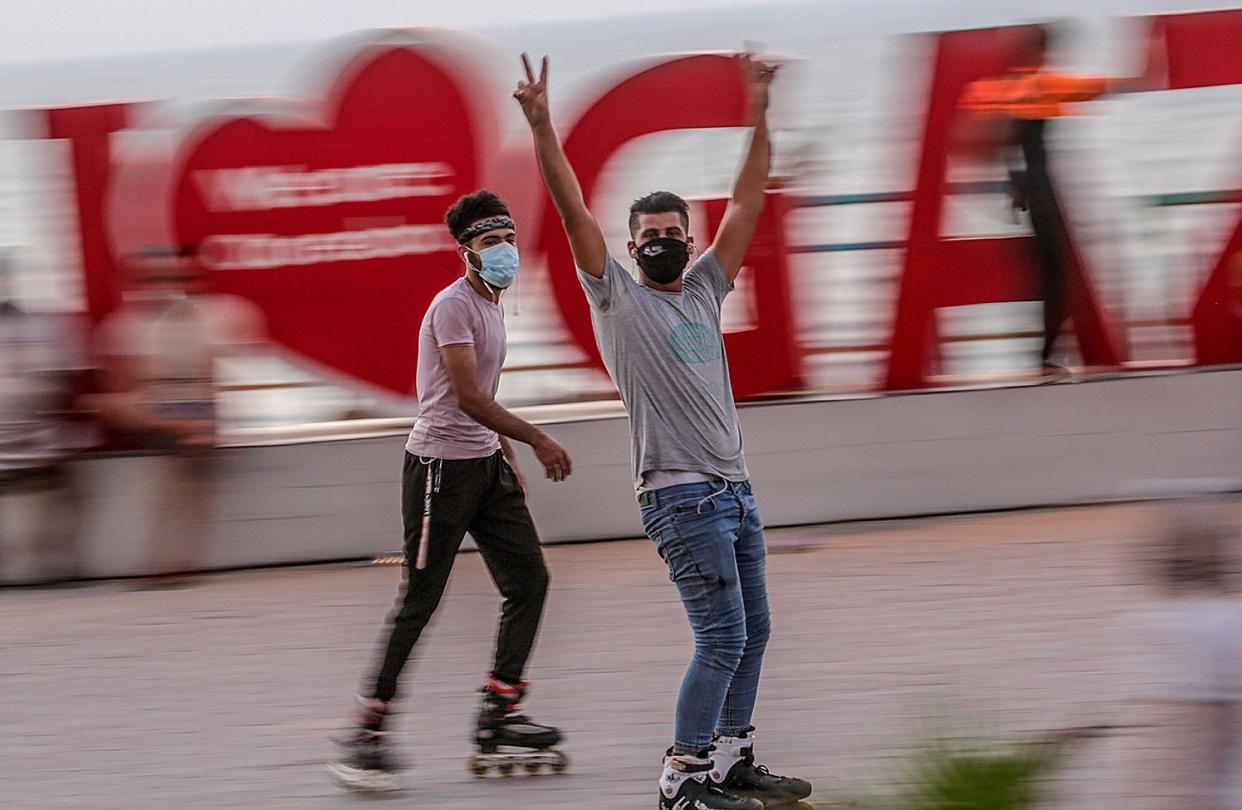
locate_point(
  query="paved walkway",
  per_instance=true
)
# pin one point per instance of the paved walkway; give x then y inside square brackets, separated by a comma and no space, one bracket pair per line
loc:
[222,695]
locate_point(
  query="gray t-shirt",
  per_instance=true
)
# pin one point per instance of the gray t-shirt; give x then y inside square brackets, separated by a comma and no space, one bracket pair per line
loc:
[665,353]
[458,316]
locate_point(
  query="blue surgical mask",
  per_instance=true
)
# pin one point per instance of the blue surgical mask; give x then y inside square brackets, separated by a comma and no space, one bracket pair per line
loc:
[500,264]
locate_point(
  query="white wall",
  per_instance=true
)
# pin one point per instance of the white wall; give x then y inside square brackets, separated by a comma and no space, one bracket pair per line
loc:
[294,498]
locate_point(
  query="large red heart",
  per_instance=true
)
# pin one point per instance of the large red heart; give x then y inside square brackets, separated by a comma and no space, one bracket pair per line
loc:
[329,216]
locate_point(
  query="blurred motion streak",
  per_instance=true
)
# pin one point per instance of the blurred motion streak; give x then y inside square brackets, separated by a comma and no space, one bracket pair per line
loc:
[367,260]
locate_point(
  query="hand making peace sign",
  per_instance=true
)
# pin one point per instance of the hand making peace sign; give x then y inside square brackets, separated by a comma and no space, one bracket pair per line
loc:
[532,94]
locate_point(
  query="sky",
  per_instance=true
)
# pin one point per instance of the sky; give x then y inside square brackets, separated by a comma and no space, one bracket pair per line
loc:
[60,30]
[44,30]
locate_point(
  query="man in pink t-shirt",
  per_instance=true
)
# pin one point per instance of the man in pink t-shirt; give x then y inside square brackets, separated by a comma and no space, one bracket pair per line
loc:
[460,475]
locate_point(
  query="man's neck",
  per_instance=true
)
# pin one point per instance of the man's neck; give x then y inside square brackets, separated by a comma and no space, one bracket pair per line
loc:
[673,287]
[482,289]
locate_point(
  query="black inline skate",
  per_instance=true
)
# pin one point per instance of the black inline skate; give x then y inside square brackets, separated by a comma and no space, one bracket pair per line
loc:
[687,785]
[509,740]
[734,769]
[365,764]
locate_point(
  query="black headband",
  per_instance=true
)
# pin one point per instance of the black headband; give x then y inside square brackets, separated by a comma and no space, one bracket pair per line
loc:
[483,226]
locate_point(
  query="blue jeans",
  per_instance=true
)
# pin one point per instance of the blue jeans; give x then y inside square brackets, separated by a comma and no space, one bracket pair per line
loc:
[711,537]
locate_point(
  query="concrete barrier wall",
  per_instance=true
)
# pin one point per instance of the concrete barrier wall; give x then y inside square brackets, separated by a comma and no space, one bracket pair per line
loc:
[300,496]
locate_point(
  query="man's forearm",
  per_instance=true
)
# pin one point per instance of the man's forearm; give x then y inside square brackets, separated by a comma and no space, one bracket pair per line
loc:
[753,176]
[490,414]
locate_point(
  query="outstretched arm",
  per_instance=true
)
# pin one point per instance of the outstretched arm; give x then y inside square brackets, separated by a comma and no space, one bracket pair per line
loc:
[1155,72]
[586,240]
[738,225]
[1155,76]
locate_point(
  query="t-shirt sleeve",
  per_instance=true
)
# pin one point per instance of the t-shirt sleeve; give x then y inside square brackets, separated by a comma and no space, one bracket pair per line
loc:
[709,274]
[604,293]
[451,324]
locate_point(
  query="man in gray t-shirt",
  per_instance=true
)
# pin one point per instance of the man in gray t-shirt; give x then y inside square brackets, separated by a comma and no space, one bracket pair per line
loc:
[661,340]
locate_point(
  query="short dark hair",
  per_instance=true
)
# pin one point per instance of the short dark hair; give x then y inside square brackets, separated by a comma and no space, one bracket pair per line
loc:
[1041,36]
[1196,549]
[659,202]
[472,208]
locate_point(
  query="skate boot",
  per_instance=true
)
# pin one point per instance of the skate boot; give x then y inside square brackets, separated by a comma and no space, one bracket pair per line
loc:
[734,769]
[509,740]
[686,785]
[365,764]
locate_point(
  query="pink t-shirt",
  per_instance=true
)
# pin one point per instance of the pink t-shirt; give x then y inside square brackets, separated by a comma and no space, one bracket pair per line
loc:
[458,316]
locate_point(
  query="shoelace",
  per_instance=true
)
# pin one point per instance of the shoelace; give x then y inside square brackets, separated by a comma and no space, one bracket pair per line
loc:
[763,769]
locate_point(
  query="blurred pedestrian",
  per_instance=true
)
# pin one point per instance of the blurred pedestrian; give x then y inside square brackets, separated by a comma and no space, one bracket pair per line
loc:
[1015,111]
[159,353]
[43,371]
[1188,715]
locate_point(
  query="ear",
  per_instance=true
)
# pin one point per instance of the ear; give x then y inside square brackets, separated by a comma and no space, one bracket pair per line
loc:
[468,256]
[632,249]
[690,244]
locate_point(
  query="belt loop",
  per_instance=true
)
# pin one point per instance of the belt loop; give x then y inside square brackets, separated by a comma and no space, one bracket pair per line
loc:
[738,488]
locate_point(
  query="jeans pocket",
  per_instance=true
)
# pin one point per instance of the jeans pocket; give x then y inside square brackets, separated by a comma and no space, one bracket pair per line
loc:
[690,512]
[677,556]
[661,526]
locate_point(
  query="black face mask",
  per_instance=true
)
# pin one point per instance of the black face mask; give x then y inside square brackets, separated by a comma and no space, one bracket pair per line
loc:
[663,259]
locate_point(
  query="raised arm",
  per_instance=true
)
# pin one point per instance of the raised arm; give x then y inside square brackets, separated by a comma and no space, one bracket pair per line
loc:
[461,365]
[738,226]
[586,240]
[1155,74]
